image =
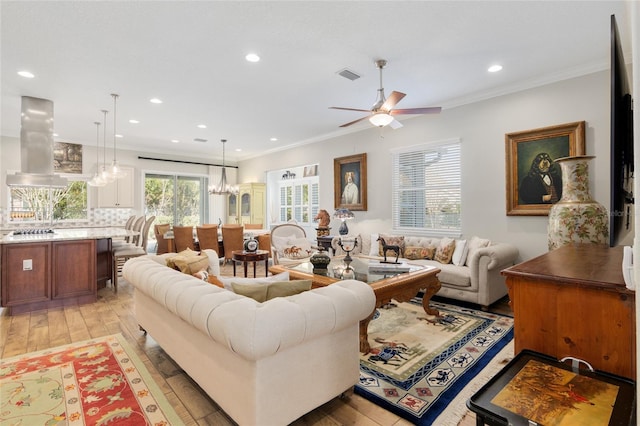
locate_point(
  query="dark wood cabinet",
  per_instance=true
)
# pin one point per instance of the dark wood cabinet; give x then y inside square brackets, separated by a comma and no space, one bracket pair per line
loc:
[22,285]
[104,262]
[47,275]
[573,301]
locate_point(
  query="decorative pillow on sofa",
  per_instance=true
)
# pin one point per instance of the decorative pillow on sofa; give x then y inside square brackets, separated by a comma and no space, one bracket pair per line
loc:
[188,262]
[391,240]
[211,279]
[295,248]
[444,251]
[460,253]
[263,292]
[414,253]
[476,243]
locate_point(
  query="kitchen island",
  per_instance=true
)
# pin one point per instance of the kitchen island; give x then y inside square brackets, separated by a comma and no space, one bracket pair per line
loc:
[59,268]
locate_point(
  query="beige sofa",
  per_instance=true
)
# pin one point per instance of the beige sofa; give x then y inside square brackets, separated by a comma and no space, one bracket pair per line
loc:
[263,363]
[475,279]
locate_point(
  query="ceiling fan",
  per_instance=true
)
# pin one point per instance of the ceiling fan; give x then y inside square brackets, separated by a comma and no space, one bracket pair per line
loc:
[382,112]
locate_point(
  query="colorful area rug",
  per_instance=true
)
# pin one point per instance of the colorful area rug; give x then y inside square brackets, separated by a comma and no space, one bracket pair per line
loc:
[419,363]
[97,382]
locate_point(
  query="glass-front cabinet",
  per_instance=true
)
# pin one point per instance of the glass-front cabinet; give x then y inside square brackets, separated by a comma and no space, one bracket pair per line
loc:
[253,203]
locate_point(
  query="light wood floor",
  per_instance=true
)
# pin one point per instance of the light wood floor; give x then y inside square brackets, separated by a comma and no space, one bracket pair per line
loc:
[113,313]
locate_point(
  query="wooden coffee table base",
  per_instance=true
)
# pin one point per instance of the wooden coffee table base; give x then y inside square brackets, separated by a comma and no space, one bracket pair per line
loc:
[401,287]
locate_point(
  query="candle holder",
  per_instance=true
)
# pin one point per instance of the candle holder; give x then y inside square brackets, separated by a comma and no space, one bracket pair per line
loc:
[348,245]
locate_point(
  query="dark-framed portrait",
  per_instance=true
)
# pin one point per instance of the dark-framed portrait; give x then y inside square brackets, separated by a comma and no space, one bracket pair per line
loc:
[533,178]
[350,181]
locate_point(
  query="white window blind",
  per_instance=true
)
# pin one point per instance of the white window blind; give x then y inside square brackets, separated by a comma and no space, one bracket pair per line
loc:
[426,182]
[299,200]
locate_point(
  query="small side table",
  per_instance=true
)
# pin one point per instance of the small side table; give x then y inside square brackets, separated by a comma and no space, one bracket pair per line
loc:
[325,242]
[245,257]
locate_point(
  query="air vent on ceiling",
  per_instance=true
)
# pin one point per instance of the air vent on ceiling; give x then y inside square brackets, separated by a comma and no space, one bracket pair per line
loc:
[346,73]
[199,140]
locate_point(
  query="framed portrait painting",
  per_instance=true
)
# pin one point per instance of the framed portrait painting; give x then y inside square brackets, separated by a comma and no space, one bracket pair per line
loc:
[534,180]
[350,181]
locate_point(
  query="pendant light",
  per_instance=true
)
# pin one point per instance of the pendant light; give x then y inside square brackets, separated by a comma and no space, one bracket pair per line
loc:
[115,171]
[96,180]
[104,173]
[223,187]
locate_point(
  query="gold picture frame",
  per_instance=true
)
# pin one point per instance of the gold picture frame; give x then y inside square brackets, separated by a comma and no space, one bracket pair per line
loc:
[350,182]
[527,193]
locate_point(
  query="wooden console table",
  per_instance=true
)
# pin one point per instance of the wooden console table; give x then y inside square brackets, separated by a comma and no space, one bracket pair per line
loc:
[573,301]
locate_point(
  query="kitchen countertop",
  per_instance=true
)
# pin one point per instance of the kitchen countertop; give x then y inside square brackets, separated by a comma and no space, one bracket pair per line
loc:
[69,234]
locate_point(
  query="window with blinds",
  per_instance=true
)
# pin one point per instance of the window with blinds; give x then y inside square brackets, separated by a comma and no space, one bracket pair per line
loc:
[426,183]
[299,200]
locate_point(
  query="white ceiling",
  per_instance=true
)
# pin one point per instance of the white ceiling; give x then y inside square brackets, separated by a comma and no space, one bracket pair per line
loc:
[191,54]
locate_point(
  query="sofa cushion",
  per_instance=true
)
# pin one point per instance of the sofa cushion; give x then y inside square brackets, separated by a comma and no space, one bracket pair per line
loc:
[460,253]
[474,244]
[419,252]
[444,251]
[189,262]
[263,292]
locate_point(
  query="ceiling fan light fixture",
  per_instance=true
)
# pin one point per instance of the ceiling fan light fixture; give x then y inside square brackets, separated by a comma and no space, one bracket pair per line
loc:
[381,119]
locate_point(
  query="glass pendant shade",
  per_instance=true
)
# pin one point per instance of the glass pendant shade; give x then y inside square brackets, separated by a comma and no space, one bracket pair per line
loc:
[223,188]
[381,119]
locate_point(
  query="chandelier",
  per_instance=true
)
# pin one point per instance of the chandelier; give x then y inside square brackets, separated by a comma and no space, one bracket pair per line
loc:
[223,188]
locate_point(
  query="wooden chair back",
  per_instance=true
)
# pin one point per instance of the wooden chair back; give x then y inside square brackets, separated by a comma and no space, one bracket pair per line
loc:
[208,237]
[145,232]
[183,238]
[232,239]
[129,226]
[264,242]
[162,244]
[137,226]
[252,226]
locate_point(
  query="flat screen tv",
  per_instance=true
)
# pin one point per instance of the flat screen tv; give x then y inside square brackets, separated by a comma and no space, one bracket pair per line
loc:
[620,212]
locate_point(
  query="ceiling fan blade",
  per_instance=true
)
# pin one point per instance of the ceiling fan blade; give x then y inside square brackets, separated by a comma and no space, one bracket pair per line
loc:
[351,109]
[428,110]
[395,124]
[356,121]
[392,100]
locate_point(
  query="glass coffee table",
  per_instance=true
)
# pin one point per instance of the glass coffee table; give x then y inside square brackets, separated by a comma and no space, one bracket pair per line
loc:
[400,282]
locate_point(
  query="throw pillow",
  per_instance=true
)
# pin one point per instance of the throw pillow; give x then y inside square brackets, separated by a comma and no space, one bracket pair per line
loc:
[374,245]
[190,263]
[391,240]
[476,243]
[263,292]
[430,253]
[445,249]
[296,248]
[460,253]
[414,253]
[186,252]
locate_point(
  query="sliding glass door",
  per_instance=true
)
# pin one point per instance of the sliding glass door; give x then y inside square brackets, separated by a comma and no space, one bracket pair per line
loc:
[175,199]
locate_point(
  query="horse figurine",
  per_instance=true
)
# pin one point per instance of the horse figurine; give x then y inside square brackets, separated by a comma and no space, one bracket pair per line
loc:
[393,248]
[324,218]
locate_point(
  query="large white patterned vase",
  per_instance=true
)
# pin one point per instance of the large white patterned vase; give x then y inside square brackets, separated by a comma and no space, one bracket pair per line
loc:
[577,218]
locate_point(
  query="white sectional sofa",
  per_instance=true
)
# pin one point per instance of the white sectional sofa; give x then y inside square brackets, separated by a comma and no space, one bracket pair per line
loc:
[475,279]
[263,363]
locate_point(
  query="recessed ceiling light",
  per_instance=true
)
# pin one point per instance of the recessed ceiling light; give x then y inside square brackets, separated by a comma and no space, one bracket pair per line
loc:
[132,121]
[238,149]
[202,126]
[56,135]
[119,136]
[26,74]
[273,139]
[155,101]
[175,141]
[495,68]
[252,57]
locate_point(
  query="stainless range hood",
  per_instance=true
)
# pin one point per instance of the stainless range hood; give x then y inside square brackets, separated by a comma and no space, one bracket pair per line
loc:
[36,146]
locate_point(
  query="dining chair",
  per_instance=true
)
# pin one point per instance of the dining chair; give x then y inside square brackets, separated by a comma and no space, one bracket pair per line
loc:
[208,237]
[232,239]
[122,254]
[183,238]
[264,243]
[162,244]
[252,226]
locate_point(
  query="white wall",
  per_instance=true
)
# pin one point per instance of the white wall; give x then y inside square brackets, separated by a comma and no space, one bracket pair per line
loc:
[481,127]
